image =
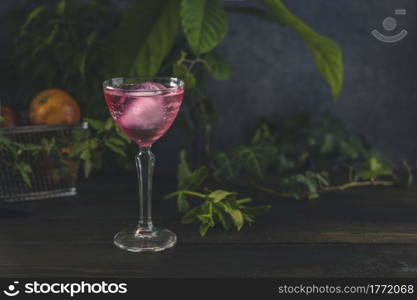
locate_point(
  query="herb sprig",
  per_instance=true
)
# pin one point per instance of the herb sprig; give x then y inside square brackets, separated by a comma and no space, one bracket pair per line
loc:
[213,206]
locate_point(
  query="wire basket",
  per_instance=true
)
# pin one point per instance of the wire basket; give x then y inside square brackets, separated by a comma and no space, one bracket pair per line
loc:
[45,181]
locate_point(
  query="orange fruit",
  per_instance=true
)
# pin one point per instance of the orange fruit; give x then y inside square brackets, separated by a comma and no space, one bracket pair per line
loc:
[9,118]
[53,107]
[66,150]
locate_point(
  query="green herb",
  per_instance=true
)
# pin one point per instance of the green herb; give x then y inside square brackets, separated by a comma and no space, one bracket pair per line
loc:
[91,144]
[18,156]
[212,206]
[83,144]
[297,157]
[291,157]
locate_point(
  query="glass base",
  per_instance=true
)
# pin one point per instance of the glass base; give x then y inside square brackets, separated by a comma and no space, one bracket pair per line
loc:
[145,240]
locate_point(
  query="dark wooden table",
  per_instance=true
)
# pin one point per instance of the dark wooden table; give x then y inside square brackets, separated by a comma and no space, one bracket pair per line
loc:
[368,232]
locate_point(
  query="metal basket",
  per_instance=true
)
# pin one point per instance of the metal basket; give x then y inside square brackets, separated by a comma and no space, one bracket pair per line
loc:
[43,182]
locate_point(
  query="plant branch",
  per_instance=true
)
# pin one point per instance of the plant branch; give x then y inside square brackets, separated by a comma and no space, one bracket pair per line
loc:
[341,187]
[193,62]
[185,192]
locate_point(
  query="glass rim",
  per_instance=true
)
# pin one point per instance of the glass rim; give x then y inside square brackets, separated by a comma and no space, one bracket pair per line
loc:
[180,85]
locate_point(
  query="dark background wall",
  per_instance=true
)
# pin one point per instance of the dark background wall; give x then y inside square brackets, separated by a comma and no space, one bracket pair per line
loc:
[273,74]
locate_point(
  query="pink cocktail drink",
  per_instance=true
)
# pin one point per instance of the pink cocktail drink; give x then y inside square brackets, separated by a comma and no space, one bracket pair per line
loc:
[144,108]
[145,111]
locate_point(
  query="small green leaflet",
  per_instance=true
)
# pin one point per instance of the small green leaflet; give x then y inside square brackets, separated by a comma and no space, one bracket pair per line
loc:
[217,66]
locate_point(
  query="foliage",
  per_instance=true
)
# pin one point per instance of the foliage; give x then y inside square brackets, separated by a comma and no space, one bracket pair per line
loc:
[15,155]
[292,157]
[61,44]
[144,37]
[91,145]
[75,44]
[327,55]
[298,157]
[204,23]
[213,206]
[57,152]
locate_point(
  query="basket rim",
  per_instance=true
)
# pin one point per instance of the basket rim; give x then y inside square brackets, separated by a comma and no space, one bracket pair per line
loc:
[43,128]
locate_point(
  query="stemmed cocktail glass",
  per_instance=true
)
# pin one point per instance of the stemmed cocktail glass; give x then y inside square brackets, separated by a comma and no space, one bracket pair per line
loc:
[144,108]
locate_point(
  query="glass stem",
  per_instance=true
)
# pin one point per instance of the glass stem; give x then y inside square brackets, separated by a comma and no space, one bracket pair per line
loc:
[145,162]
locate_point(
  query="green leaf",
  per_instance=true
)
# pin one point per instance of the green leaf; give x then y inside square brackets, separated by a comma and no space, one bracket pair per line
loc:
[47,145]
[326,54]
[109,124]
[182,203]
[82,57]
[196,179]
[80,147]
[322,178]
[219,195]
[254,158]
[244,200]
[224,166]
[188,180]
[93,143]
[183,169]
[172,195]
[145,36]
[32,16]
[372,169]
[308,180]
[60,7]
[24,170]
[183,72]
[237,218]
[117,141]
[263,134]
[203,228]
[95,124]
[122,135]
[88,165]
[217,66]
[206,213]
[114,147]
[48,41]
[223,217]
[235,214]
[204,23]
[191,215]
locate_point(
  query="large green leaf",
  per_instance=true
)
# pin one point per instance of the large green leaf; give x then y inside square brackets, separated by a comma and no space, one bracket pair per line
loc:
[204,23]
[327,55]
[144,37]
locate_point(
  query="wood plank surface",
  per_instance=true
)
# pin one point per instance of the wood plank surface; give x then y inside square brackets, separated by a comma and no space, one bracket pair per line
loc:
[371,232]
